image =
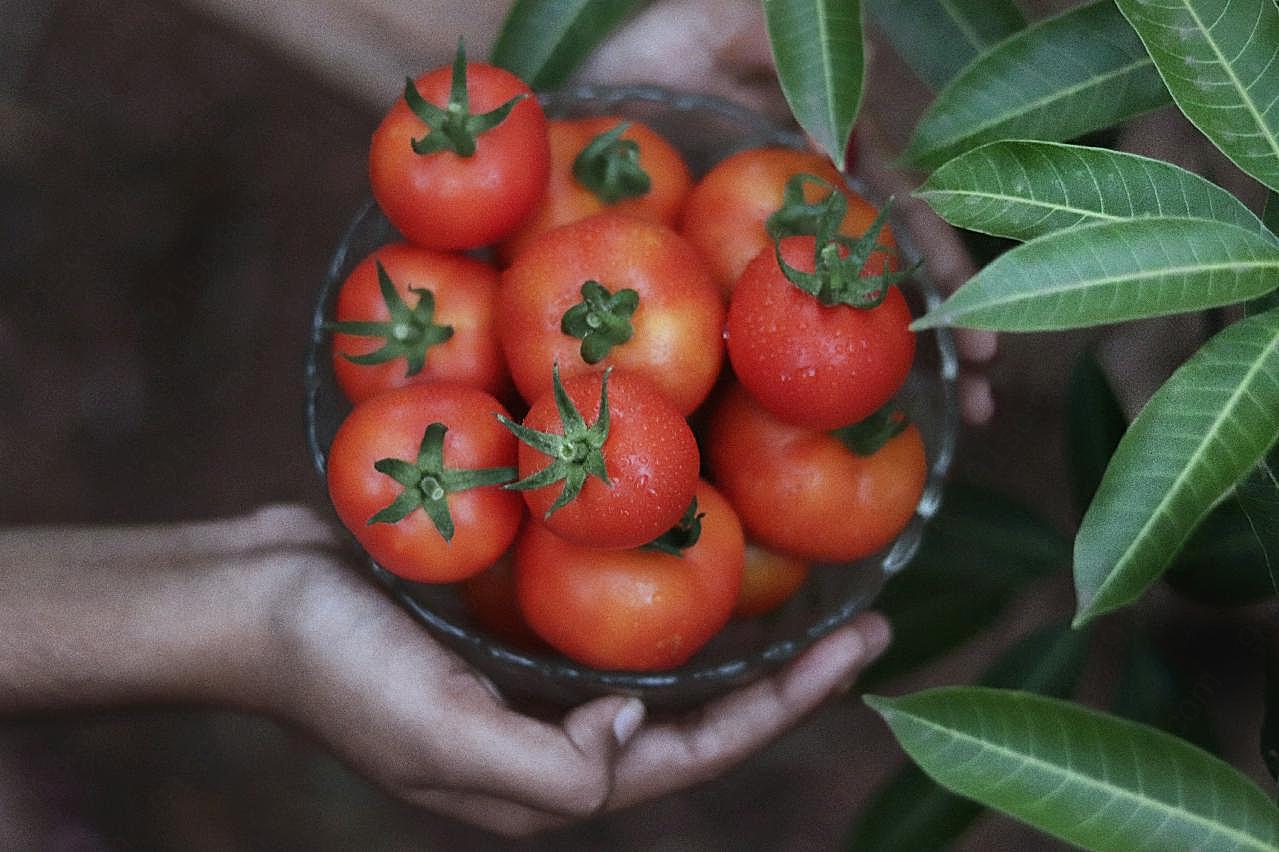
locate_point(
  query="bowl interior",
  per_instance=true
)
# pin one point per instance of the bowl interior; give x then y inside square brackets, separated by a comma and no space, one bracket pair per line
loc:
[705,130]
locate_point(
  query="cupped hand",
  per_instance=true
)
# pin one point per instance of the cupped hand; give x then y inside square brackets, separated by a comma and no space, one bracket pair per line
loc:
[367,680]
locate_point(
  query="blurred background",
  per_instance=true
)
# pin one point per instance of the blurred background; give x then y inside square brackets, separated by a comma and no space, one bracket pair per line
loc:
[173,177]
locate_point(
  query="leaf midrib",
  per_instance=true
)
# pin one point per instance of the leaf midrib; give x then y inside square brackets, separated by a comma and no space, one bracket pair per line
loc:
[1096,783]
[1024,201]
[1175,488]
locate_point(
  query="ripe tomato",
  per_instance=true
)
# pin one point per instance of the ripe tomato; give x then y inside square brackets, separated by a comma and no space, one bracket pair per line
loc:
[627,459]
[803,491]
[725,211]
[768,581]
[816,365]
[475,180]
[638,173]
[651,309]
[489,598]
[640,609]
[413,453]
[437,325]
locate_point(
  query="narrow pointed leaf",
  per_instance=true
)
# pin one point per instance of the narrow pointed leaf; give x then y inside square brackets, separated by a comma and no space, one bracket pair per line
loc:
[1271,215]
[544,41]
[1220,61]
[1091,779]
[817,48]
[1203,431]
[937,38]
[1113,271]
[912,812]
[1023,189]
[1081,71]
[1095,423]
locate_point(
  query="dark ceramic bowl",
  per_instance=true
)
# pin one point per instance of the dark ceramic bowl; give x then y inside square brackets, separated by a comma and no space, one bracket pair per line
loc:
[706,130]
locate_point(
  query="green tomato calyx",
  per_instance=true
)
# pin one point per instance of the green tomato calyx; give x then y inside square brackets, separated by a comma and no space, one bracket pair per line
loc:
[609,167]
[838,259]
[575,454]
[409,334]
[453,127]
[428,482]
[601,320]
[679,538]
[867,436]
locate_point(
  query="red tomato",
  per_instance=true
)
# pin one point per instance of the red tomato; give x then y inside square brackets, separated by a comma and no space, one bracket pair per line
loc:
[365,486]
[647,451]
[816,365]
[643,159]
[489,597]
[725,212]
[802,491]
[439,326]
[454,199]
[768,581]
[638,609]
[653,311]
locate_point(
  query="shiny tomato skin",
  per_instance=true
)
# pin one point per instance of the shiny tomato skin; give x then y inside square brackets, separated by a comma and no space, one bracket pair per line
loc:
[801,491]
[391,425]
[447,201]
[769,579]
[650,455]
[465,293]
[678,327]
[637,609]
[725,211]
[811,364]
[567,200]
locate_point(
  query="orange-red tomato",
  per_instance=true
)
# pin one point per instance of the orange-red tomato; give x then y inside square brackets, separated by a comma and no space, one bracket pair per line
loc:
[489,597]
[802,491]
[769,579]
[638,609]
[457,342]
[675,322]
[568,199]
[725,211]
[447,200]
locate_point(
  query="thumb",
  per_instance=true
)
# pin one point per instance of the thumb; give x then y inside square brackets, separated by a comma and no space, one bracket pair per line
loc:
[602,726]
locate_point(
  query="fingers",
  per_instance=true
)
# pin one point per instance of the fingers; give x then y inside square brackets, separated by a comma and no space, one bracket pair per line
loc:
[663,758]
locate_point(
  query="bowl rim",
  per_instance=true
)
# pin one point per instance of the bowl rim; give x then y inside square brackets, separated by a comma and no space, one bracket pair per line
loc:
[476,643]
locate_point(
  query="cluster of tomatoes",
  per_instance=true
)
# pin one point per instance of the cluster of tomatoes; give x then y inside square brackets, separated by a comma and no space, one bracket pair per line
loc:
[616,405]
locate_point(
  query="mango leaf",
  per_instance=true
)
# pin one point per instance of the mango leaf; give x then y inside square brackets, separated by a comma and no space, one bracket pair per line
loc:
[910,811]
[937,38]
[544,41]
[1220,61]
[1024,189]
[980,550]
[1060,78]
[1095,423]
[1092,779]
[1271,214]
[1113,271]
[817,48]
[1200,433]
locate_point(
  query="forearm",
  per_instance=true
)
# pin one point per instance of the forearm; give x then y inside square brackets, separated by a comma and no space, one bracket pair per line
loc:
[93,617]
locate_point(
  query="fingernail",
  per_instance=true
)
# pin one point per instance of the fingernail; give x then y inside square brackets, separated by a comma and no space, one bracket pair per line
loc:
[628,720]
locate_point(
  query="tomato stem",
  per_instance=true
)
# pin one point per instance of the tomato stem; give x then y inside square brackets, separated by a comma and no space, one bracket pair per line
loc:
[679,538]
[453,127]
[428,482]
[867,436]
[409,334]
[609,167]
[575,454]
[601,320]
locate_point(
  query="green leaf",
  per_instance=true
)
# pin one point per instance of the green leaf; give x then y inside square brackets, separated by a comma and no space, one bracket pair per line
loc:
[937,38]
[1202,432]
[1271,214]
[544,41]
[911,812]
[1024,189]
[1113,271]
[1220,61]
[1095,423]
[817,48]
[1091,779]
[980,550]
[1057,79]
